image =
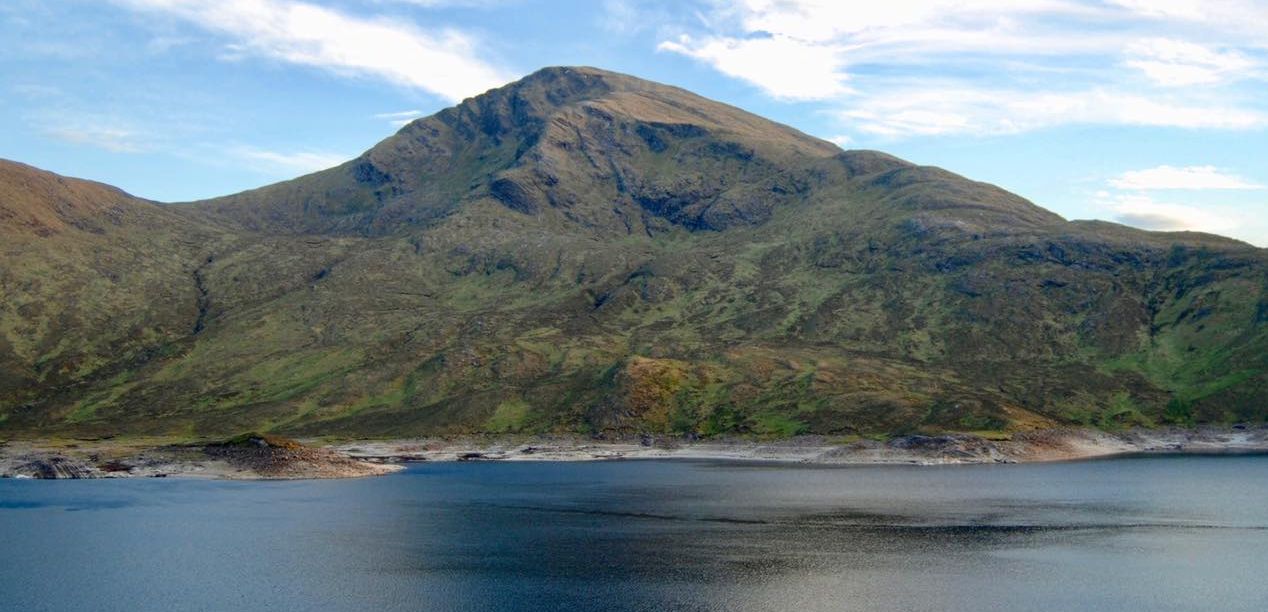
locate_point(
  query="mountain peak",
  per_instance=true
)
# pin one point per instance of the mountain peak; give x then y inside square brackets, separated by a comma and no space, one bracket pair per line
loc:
[558,86]
[580,74]
[553,90]
[567,84]
[609,151]
[608,154]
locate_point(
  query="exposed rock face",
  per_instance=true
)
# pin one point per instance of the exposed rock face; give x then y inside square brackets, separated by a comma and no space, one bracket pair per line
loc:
[54,467]
[582,251]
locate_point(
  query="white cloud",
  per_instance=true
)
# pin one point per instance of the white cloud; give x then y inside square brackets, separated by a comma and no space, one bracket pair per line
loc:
[933,67]
[800,49]
[443,62]
[1142,211]
[1130,202]
[895,31]
[1174,9]
[784,67]
[1230,17]
[291,162]
[1179,63]
[1188,177]
[828,20]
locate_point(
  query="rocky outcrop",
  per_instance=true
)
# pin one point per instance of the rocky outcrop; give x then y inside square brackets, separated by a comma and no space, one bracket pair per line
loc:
[251,456]
[54,467]
[268,456]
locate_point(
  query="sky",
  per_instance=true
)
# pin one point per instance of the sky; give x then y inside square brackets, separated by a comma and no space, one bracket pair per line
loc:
[1152,113]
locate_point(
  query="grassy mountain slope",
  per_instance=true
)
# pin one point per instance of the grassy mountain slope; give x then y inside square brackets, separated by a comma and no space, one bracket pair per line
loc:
[583,251]
[92,281]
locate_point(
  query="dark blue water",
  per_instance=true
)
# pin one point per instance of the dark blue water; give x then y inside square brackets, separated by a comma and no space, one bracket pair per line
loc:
[1165,533]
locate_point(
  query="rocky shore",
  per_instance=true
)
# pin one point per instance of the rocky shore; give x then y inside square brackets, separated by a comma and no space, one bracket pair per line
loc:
[1042,445]
[257,456]
[248,457]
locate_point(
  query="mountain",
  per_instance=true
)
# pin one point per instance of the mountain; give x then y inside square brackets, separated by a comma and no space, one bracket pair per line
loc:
[583,251]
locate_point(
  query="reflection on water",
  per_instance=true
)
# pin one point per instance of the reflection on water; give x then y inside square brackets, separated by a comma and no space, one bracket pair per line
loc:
[1174,533]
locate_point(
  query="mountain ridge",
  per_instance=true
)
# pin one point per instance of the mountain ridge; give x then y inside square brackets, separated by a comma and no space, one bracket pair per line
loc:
[585,252]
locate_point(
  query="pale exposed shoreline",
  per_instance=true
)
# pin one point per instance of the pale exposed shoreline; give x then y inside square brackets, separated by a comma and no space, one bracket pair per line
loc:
[1036,446]
[358,458]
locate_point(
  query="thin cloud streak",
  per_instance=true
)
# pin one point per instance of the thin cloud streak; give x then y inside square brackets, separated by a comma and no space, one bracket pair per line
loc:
[289,162]
[400,119]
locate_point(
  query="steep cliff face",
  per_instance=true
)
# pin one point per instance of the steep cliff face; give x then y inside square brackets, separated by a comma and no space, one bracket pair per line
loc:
[586,251]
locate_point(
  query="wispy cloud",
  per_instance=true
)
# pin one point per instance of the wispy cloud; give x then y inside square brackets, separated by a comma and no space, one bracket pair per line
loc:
[621,17]
[288,162]
[1240,18]
[445,62]
[111,138]
[1205,203]
[1188,177]
[1143,211]
[163,44]
[1124,62]
[1178,63]
[400,118]
[783,67]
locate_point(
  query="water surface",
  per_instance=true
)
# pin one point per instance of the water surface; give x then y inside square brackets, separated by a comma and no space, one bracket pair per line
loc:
[1160,533]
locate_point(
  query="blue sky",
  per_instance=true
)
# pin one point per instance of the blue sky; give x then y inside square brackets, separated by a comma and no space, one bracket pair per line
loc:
[1147,112]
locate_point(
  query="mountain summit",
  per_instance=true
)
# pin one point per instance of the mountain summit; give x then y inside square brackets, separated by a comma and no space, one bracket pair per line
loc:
[579,145]
[568,142]
[583,251]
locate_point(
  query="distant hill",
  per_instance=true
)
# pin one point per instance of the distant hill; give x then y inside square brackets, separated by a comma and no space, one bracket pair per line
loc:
[583,251]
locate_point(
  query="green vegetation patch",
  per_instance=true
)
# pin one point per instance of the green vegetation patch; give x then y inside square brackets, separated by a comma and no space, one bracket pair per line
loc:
[778,425]
[510,416]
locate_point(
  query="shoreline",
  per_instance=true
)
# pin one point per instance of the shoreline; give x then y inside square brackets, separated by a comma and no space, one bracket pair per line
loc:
[315,459]
[947,449]
[253,458]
